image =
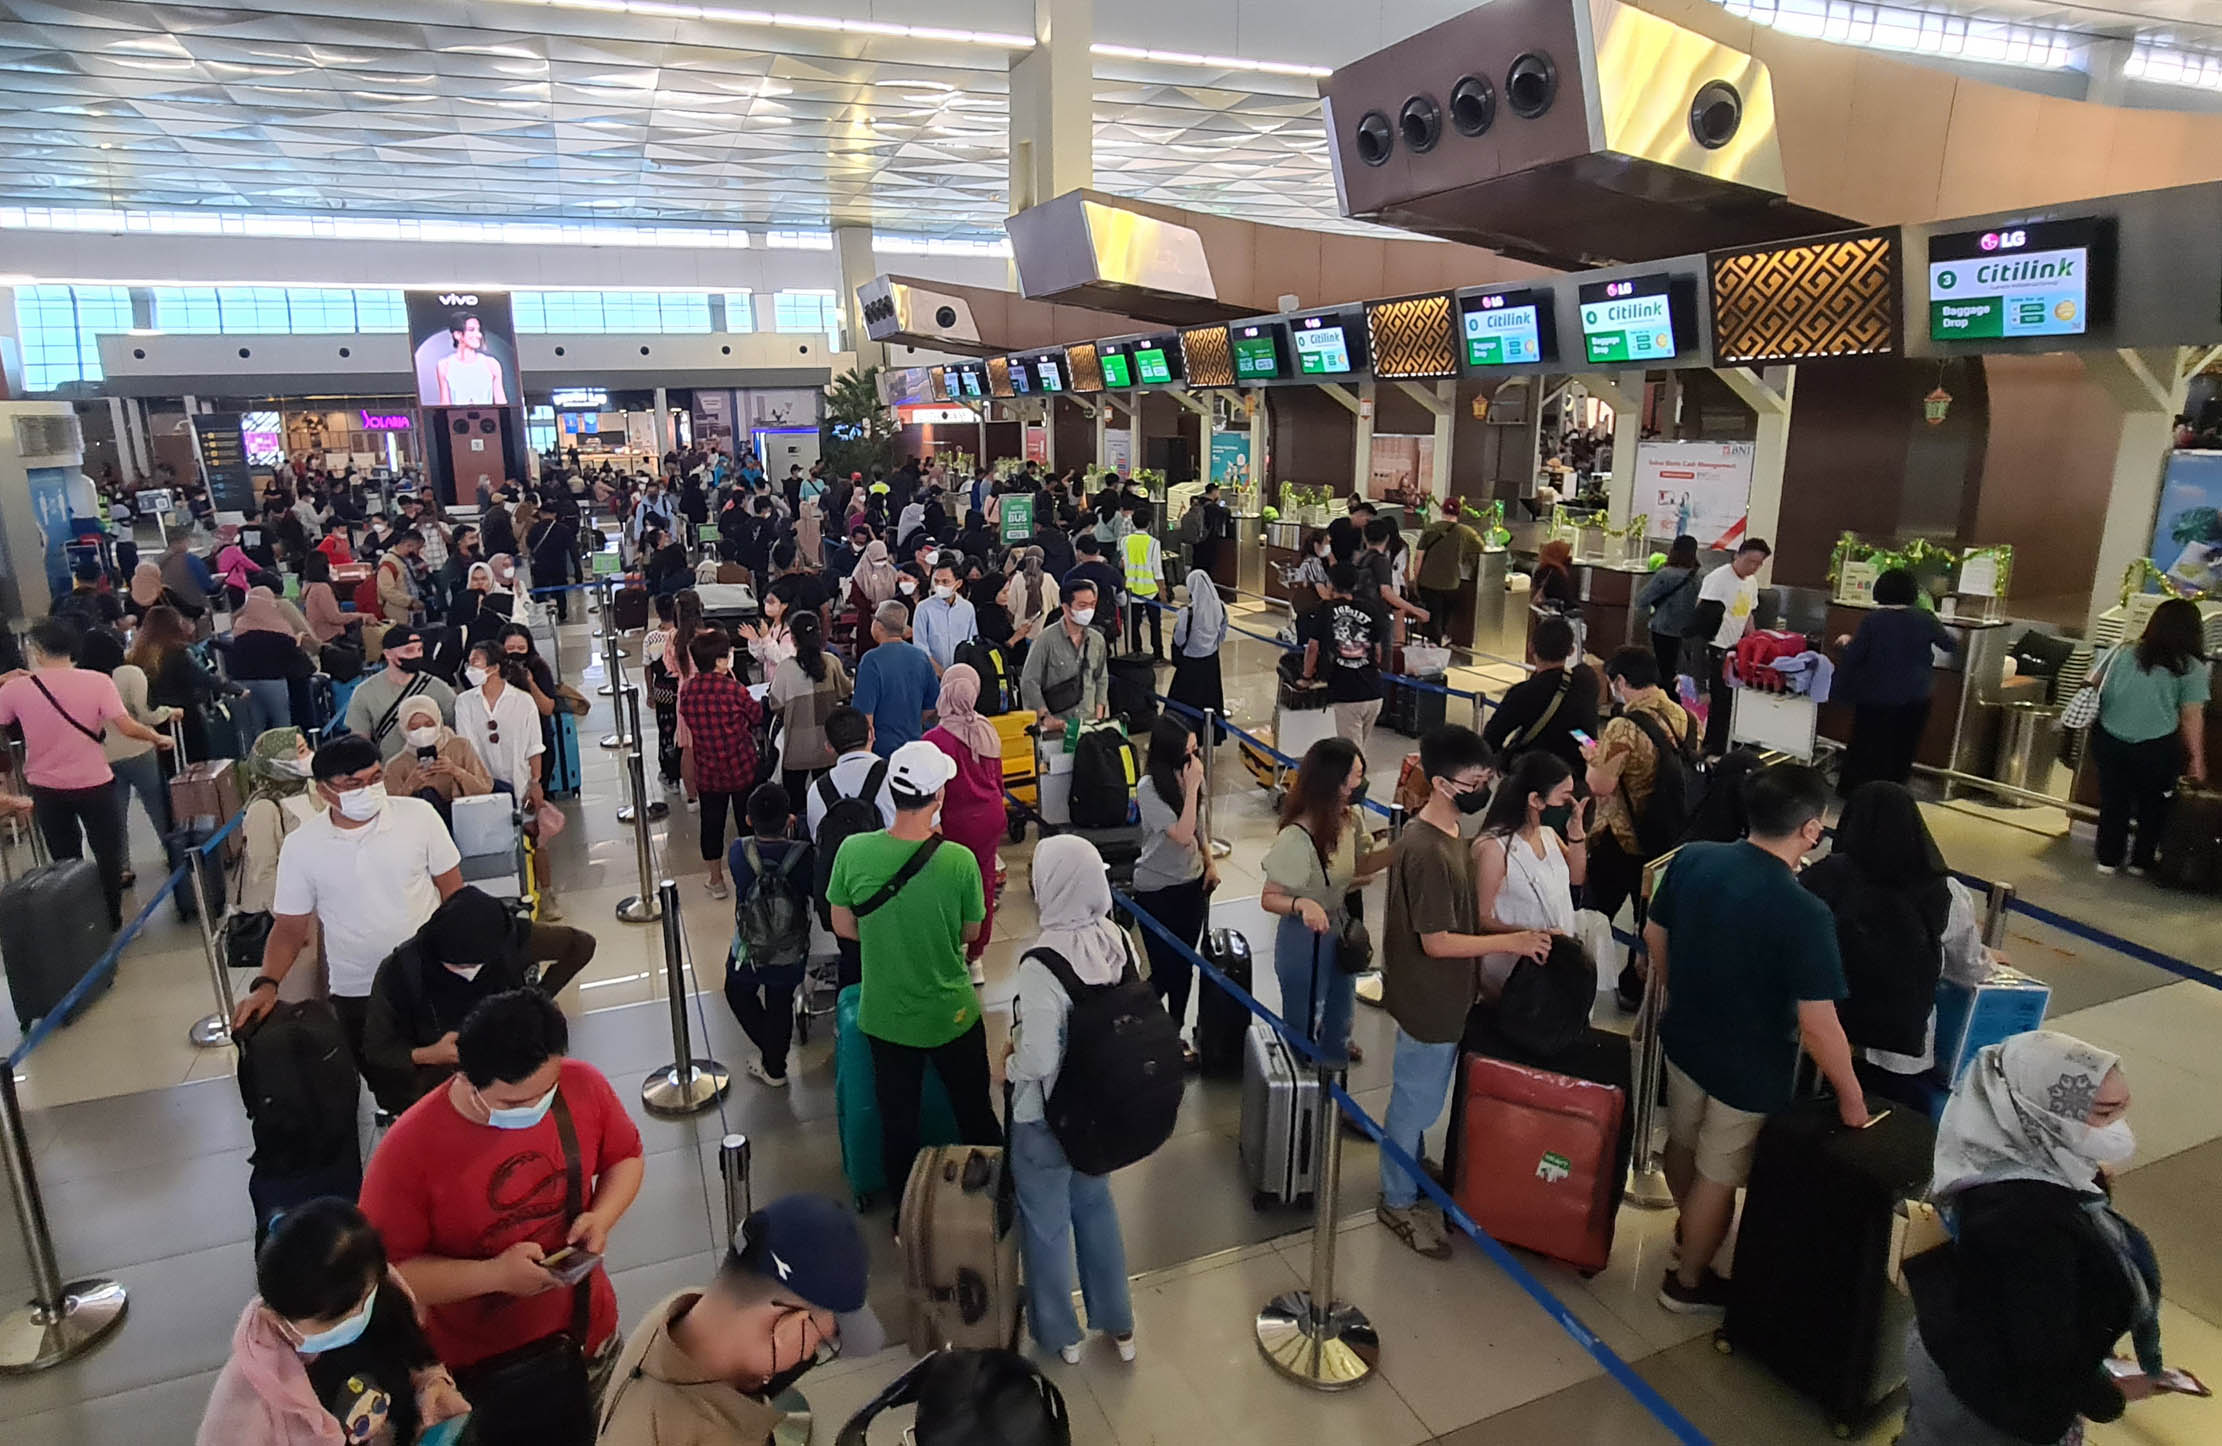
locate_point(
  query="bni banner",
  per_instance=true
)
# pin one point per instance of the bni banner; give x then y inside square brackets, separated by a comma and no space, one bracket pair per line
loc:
[1701,488]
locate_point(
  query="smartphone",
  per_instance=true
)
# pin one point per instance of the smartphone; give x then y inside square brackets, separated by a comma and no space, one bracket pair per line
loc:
[1582,738]
[447,1433]
[2171,1379]
[570,1265]
[426,755]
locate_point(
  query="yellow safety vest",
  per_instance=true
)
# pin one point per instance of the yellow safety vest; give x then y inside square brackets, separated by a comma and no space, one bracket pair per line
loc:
[1141,580]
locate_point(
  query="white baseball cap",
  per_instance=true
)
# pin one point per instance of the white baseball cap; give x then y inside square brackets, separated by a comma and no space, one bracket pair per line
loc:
[920,770]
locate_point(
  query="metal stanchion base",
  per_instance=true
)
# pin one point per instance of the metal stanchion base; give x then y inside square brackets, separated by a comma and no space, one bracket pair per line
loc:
[657,809]
[605,691]
[1220,848]
[1647,1189]
[675,1091]
[33,1338]
[1330,1355]
[210,1032]
[794,1419]
[616,740]
[637,909]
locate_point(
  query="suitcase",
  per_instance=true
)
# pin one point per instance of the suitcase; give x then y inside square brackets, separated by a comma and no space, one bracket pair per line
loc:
[1105,768]
[323,703]
[1021,768]
[1413,711]
[1812,1298]
[53,930]
[1120,847]
[1221,1021]
[629,609]
[486,824]
[560,776]
[960,1250]
[1535,1159]
[1133,679]
[343,693]
[1969,1016]
[1280,1117]
[205,790]
[856,1106]
[2191,842]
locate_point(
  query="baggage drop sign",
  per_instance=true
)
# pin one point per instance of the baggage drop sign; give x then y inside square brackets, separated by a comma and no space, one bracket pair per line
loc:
[2045,279]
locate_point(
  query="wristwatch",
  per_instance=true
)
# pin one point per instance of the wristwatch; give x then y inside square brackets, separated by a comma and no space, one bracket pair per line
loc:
[259,980]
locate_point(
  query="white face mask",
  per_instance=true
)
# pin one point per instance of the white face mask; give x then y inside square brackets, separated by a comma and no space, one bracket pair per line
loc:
[944,591]
[363,804]
[2108,1144]
[423,737]
[907,584]
[520,1117]
[1083,616]
[1322,550]
[463,971]
[295,767]
[476,677]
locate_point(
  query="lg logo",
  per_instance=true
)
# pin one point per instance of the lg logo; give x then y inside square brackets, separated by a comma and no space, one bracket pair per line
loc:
[2004,240]
[1620,288]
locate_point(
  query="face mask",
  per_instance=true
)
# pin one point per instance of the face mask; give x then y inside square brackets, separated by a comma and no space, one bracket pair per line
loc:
[464,971]
[1322,550]
[1558,816]
[363,804]
[781,1380]
[295,767]
[1083,616]
[346,1333]
[1358,794]
[908,585]
[1473,800]
[2108,1145]
[476,677]
[406,665]
[520,1117]
[423,737]
[944,591]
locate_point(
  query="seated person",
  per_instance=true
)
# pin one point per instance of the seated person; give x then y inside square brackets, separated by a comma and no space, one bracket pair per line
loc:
[436,763]
[474,946]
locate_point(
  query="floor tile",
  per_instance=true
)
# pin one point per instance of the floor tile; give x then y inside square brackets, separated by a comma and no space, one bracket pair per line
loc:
[167,1413]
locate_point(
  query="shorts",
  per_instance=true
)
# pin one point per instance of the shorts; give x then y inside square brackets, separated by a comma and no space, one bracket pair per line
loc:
[1721,1136]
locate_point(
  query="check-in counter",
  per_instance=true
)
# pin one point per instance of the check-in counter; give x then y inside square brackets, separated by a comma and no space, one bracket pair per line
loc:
[1608,592]
[1971,687]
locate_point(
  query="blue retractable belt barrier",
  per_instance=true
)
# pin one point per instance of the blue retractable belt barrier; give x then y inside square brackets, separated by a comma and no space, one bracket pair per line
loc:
[2126,947]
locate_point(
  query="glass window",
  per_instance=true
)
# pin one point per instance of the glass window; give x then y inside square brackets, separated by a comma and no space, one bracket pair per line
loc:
[254,309]
[380,311]
[188,309]
[99,309]
[803,311]
[46,322]
[684,311]
[526,312]
[573,311]
[320,309]
[740,315]
[631,311]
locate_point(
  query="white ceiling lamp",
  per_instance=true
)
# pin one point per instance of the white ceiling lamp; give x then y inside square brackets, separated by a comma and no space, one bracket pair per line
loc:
[1210,62]
[834,24]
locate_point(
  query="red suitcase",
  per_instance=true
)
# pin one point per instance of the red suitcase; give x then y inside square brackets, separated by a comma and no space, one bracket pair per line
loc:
[1535,1159]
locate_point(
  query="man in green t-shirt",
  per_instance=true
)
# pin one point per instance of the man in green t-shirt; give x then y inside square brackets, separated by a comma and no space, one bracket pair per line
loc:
[912,904]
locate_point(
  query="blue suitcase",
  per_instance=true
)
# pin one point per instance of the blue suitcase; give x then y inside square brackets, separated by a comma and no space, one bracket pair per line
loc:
[560,775]
[856,1105]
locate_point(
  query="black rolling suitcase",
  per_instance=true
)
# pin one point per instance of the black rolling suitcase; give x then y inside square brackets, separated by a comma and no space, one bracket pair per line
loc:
[1811,1298]
[1221,1021]
[2191,842]
[1133,691]
[1412,711]
[53,930]
[301,1090]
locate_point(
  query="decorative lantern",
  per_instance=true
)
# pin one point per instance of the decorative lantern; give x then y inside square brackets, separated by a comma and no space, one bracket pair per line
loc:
[1935,405]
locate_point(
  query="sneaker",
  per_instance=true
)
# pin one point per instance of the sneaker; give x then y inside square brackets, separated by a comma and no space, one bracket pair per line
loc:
[2135,871]
[2109,870]
[1414,1225]
[1125,1344]
[756,1071]
[1708,1297]
[1070,1354]
[979,972]
[718,888]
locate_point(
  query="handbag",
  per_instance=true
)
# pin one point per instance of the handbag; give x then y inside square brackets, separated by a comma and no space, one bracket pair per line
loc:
[1353,945]
[2083,709]
[541,1394]
[1544,1007]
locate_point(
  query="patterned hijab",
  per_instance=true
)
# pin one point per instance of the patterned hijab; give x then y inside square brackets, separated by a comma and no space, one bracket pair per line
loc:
[874,575]
[2018,1114]
[959,711]
[264,778]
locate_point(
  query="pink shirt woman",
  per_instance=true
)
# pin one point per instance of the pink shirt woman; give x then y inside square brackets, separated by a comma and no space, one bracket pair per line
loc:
[972,811]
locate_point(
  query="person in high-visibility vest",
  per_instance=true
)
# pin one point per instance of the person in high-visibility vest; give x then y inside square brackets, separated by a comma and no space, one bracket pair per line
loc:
[1145,564]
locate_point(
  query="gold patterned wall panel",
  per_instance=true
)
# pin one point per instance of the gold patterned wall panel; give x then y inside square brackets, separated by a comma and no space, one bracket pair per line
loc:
[999,376]
[1412,338]
[1837,297]
[1206,357]
[1085,369]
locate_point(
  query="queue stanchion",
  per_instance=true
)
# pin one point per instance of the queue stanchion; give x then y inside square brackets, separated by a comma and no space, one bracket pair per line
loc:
[613,667]
[687,1085]
[733,1171]
[643,907]
[214,1031]
[1209,743]
[630,717]
[1647,1185]
[1995,909]
[1307,1335]
[1477,710]
[63,1319]
[612,654]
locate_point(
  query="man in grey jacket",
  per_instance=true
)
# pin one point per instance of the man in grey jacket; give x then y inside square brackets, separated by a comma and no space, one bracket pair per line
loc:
[1067,675]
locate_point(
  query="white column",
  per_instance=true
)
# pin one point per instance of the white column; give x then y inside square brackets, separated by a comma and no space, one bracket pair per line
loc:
[1361,463]
[852,250]
[2108,63]
[1260,442]
[1768,393]
[1053,105]
[1103,425]
[1049,435]
[2149,386]
[1623,392]
[662,418]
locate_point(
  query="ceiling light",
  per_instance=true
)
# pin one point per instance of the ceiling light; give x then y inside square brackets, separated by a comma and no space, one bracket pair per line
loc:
[1212,62]
[662,9]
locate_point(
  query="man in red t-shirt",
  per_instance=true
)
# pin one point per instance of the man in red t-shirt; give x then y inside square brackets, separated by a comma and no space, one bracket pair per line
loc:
[469,1187]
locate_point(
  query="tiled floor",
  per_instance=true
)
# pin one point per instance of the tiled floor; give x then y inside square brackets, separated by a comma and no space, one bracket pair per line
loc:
[141,1151]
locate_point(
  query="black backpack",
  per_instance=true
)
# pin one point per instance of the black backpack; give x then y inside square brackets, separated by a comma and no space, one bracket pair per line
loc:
[1120,1085]
[967,1397]
[1105,766]
[771,927]
[998,683]
[1677,788]
[299,1084]
[844,817]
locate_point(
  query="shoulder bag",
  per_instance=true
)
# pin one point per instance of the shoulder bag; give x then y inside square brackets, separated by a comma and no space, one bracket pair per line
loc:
[1544,1008]
[1353,945]
[2083,709]
[886,893]
[40,684]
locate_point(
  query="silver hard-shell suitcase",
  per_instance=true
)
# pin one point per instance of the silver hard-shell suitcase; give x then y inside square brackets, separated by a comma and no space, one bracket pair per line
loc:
[1280,1114]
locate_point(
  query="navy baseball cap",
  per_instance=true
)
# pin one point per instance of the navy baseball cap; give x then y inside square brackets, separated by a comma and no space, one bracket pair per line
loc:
[814,1248]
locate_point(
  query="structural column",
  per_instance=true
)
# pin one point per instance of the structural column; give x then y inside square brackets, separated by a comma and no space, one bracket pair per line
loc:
[852,252]
[1623,392]
[1053,105]
[1260,442]
[2149,385]
[1768,393]
[1361,463]
[662,420]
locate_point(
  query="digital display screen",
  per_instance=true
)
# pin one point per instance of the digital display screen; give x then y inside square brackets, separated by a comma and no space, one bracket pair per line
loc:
[1257,353]
[1052,377]
[1151,363]
[2046,278]
[1505,328]
[1322,347]
[1022,382]
[464,347]
[972,384]
[1118,372]
[1629,320]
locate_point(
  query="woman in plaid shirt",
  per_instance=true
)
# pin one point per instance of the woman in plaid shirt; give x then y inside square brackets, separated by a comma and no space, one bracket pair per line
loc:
[721,720]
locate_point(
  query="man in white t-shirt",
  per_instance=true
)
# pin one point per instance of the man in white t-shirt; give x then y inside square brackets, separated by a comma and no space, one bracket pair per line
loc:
[1728,606]
[368,871]
[850,733]
[497,714]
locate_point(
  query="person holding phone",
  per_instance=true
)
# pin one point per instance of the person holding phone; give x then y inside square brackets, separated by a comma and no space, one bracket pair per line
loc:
[2018,1314]
[437,764]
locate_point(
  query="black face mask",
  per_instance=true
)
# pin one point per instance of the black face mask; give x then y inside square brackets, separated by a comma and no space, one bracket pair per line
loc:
[408,665]
[1358,794]
[781,1380]
[1473,800]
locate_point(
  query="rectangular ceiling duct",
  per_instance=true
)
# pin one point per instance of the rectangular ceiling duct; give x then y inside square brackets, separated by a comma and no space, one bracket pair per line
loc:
[1087,250]
[1570,132]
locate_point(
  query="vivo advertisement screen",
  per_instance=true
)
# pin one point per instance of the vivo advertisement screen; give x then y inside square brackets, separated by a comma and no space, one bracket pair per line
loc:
[2048,278]
[464,348]
[1506,328]
[1629,320]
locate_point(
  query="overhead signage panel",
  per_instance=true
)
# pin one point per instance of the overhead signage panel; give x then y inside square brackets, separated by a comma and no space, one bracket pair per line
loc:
[2046,278]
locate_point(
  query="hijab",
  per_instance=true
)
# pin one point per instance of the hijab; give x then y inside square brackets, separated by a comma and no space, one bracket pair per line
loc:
[264,778]
[146,584]
[261,614]
[418,707]
[1207,614]
[874,575]
[959,711]
[2018,1114]
[1882,831]
[1072,891]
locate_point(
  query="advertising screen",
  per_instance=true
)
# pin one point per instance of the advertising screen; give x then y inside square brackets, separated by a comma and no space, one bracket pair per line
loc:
[1151,363]
[972,384]
[1257,353]
[1629,320]
[1118,371]
[1052,372]
[2047,278]
[1507,328]
[1322,346]
[464,347]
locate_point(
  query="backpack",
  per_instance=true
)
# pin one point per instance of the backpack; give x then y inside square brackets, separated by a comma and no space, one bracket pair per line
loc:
[1105,766]
[298,1081]
[771,928]
[1677,788]
[998,685]
[844,818]
[1120,1085]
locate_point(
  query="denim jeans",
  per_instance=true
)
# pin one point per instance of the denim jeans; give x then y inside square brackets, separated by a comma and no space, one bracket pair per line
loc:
[1305,964]
[1060,1208]
[1417,1092]
[141,775]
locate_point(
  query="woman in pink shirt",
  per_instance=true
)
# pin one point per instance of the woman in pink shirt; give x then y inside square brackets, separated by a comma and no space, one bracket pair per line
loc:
[972,811]
[63,710]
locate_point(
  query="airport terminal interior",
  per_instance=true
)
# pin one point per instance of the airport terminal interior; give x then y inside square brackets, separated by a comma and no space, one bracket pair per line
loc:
[1904,313]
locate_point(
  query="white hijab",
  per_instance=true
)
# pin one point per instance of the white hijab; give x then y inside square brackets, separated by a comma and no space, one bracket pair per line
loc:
[1073,892]
[1207,613]
[2019,1114]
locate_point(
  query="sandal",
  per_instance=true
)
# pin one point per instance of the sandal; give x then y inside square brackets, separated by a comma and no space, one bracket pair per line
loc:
[129,878]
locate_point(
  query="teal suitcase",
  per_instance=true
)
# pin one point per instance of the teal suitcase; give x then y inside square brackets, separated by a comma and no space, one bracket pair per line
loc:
[856,1107]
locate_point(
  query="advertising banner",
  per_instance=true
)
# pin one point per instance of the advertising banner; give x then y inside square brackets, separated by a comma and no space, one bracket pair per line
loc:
[465,348]
[1701,488]
[1118,449]
[1016,518]
[1399,461]
[2187,535]
[1230,458]
[1037,444]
